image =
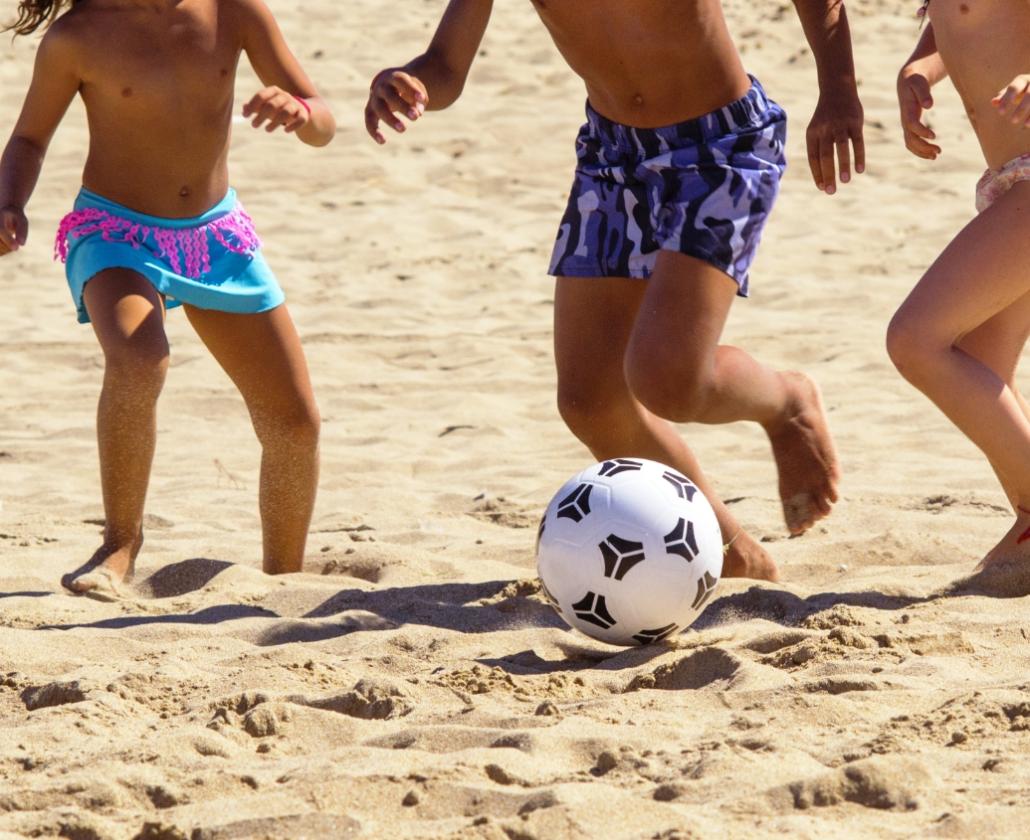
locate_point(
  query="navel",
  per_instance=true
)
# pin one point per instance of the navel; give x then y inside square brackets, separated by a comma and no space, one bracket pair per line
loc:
[963,8]
[127,92]
[638,100]
[185,192]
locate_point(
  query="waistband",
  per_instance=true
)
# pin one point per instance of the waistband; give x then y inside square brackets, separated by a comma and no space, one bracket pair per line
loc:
[87,198]
[744,112]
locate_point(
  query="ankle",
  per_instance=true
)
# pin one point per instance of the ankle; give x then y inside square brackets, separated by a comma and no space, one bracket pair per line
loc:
[120,539]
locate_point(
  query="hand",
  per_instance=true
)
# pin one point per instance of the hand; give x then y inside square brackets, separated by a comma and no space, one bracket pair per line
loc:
[1013,101]
[14,229]
[275,106]
[394,92]
[836,121]
[914,98]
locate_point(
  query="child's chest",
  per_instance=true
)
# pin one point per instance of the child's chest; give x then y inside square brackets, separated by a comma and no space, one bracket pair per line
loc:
[188,55]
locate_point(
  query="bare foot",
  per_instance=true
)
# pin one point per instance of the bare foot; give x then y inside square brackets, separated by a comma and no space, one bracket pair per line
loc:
[747,559]
[805,457]
[100,577]
[1005,571]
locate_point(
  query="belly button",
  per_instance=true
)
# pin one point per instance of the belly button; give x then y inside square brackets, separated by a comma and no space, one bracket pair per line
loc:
[184,192]
[638,99]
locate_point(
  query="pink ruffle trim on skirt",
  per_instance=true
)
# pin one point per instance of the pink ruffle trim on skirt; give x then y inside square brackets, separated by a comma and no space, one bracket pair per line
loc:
[185,249]
[996,182]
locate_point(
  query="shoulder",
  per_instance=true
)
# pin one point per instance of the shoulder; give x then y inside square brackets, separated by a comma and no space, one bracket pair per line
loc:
[246,10]
[67,37]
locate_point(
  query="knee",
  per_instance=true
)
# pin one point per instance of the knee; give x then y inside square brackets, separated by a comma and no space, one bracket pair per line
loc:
[911,346]
[297,429]
[136,367]
[674,390]
[595,415]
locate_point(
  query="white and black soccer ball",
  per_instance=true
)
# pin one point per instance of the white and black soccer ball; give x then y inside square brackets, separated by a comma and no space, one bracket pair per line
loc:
[629,551]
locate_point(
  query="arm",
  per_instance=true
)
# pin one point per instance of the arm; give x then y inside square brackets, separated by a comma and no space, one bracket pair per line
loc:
[922,71]
[838,115]
[289,99]
[55,81]
[435,79]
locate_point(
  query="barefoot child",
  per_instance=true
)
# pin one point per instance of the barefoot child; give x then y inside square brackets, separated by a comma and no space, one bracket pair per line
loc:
[679,164]
[156,225]
[959,335]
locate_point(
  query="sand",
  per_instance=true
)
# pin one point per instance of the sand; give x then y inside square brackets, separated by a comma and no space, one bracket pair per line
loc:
[412,682]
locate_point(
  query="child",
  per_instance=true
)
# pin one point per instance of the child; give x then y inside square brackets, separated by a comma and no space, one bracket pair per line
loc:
[679,164]
[156,225]
[959,335]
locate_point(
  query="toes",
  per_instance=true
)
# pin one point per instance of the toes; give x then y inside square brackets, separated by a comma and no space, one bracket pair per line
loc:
[797,513]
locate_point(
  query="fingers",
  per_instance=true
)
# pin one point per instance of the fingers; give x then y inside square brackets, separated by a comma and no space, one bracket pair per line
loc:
[828,154]
[393,92]
[843,158]
[834,134]
[827,175]
[920,148]
[274,108]
[1021,114]
[914,98]
[1008,100]
[410,90]
[372,124]
[14,229]
[859,143]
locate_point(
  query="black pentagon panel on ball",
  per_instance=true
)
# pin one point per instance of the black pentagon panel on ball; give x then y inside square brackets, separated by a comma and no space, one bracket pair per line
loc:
[685,488]
[576,505]
[705,588]
[619,465]
[593,609]
[620,556]
[680,540]
[646,637]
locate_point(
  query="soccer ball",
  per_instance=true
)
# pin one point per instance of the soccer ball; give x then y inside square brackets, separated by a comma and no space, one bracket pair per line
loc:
[629,551]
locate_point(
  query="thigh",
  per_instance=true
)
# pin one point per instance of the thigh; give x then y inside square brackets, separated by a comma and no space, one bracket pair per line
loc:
[682,314]
[593,321]
[999,341]
[127,313]
[983,272]
[262,355]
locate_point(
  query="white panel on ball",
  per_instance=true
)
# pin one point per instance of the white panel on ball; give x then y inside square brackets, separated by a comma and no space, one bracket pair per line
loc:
[629,551]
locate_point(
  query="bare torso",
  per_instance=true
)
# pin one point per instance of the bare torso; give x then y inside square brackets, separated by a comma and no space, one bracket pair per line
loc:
[648,62]
[159,101]
[984,45]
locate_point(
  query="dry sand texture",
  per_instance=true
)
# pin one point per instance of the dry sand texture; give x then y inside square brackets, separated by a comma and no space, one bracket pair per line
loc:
[412,683]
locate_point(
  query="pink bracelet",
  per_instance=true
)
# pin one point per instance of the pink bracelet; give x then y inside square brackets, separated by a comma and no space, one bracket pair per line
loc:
[303,102]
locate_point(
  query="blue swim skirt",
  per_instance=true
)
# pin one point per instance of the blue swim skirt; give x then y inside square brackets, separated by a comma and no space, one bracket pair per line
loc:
[703,188]
[211,261]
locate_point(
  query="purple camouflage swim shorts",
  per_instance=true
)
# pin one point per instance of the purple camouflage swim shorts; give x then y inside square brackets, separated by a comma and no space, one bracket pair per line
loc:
[703,187]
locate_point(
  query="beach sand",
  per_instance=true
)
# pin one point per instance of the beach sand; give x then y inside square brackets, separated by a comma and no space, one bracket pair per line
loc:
[412,682]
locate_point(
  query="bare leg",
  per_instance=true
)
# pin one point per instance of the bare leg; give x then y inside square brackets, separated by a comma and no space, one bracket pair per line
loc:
[128,319]
[676,368]
[262,355]
[980,274]
[998,343]
[593,321]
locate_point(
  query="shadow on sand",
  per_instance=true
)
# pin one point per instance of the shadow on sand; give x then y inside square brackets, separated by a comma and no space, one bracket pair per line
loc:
[482,607]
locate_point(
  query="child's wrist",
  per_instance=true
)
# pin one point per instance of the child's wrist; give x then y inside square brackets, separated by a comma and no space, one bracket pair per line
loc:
[303,102]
